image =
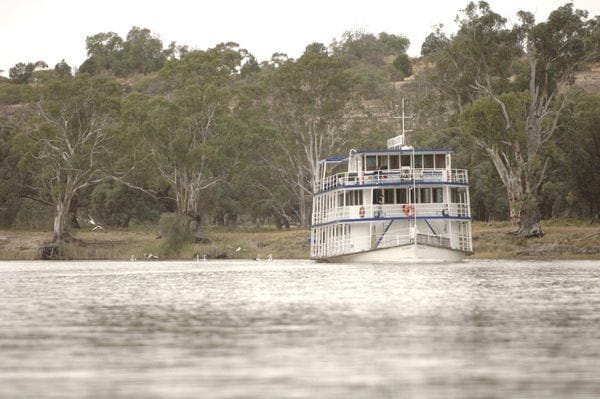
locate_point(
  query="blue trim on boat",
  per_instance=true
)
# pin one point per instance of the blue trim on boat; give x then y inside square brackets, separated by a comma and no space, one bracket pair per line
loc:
[407,183]
[339,221]
[333,160]
[424,150]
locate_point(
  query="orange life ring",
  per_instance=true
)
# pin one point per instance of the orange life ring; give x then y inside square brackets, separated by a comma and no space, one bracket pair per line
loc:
[409,210]
[361,211]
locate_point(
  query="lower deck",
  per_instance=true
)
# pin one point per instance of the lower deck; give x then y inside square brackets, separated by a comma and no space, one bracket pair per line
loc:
[369,235]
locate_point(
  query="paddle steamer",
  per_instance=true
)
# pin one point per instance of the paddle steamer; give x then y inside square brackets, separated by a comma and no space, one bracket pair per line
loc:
[401,204]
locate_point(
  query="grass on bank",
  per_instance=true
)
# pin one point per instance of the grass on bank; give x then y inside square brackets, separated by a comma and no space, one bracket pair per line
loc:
[564,239]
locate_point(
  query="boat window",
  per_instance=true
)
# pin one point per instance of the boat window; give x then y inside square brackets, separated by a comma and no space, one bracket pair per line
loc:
[405,160]
[438,195]
[458,196]
[402,196]
[394,162]
[378,196]
[382,162]
[428,161]
[371,162]
[440,161]
[389,196]
[424,195]
[354,197]
[418,161]
[340,199]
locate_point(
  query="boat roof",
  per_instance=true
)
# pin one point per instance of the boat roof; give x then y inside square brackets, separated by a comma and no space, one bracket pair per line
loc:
[425,150]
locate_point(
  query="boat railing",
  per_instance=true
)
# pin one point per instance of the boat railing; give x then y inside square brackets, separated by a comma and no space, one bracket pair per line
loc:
[357,212]
[437,241]
[465,243]
[392,176]
[341,245]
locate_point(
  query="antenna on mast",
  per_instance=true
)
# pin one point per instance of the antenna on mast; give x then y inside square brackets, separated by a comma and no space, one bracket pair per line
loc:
[397,142]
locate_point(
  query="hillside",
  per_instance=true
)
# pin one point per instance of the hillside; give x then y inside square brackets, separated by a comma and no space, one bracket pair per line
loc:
[589,78]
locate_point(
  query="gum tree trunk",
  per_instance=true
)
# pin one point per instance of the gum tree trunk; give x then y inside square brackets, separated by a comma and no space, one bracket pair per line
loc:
[60,221]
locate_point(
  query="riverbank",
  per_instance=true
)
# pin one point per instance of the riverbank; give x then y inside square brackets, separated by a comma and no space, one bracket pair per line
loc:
[564,239]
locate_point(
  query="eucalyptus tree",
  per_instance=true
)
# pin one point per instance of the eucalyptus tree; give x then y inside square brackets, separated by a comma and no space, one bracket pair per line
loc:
[184,131]
[581,135]
[309,103]
[10,187]
[536,62]
[104,52]
[23,72]
[139,52]
[65,137]
[142,51]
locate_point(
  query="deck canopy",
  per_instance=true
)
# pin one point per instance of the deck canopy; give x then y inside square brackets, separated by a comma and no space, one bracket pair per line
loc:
[409,150]
[333,160]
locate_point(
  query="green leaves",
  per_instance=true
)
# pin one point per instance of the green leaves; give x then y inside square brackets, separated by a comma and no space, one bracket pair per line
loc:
[140,52]
[484,119]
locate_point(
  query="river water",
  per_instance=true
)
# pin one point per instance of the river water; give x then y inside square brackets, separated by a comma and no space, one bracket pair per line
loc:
[296,329]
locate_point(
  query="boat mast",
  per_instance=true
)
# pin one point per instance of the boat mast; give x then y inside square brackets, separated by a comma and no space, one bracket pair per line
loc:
[399,142]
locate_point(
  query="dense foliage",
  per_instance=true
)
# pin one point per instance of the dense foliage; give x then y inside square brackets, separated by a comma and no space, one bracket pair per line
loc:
[214,137]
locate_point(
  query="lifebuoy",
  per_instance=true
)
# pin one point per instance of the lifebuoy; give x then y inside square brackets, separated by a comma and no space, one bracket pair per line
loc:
[409,210]
[361,211]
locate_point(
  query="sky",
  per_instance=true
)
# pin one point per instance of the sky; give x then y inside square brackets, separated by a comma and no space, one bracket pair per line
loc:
[52,30]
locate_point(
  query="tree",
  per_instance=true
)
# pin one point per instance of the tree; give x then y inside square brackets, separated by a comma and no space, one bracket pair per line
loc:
[434,42]
[366,47]
[23,73]
[580,142]
[10,179]
[65,140]
[403,66]
[143,52]
[62,69]
[104,53]
[185,130]
[484,59]
[309,101]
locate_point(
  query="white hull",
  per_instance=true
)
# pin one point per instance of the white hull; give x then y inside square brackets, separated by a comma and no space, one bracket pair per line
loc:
[411,253]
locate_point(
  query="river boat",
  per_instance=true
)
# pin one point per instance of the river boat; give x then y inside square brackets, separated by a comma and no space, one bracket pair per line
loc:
[400,204]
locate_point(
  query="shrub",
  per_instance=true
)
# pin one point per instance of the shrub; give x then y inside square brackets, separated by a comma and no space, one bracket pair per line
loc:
[177,231]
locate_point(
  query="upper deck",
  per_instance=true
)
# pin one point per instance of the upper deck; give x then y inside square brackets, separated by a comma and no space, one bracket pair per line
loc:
[389,167]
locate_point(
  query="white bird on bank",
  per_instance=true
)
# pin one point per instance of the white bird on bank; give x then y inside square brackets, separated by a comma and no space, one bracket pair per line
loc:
[150,256]
[93,223]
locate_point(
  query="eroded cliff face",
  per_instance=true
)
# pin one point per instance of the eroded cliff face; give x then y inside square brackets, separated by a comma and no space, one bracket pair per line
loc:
[589,78]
